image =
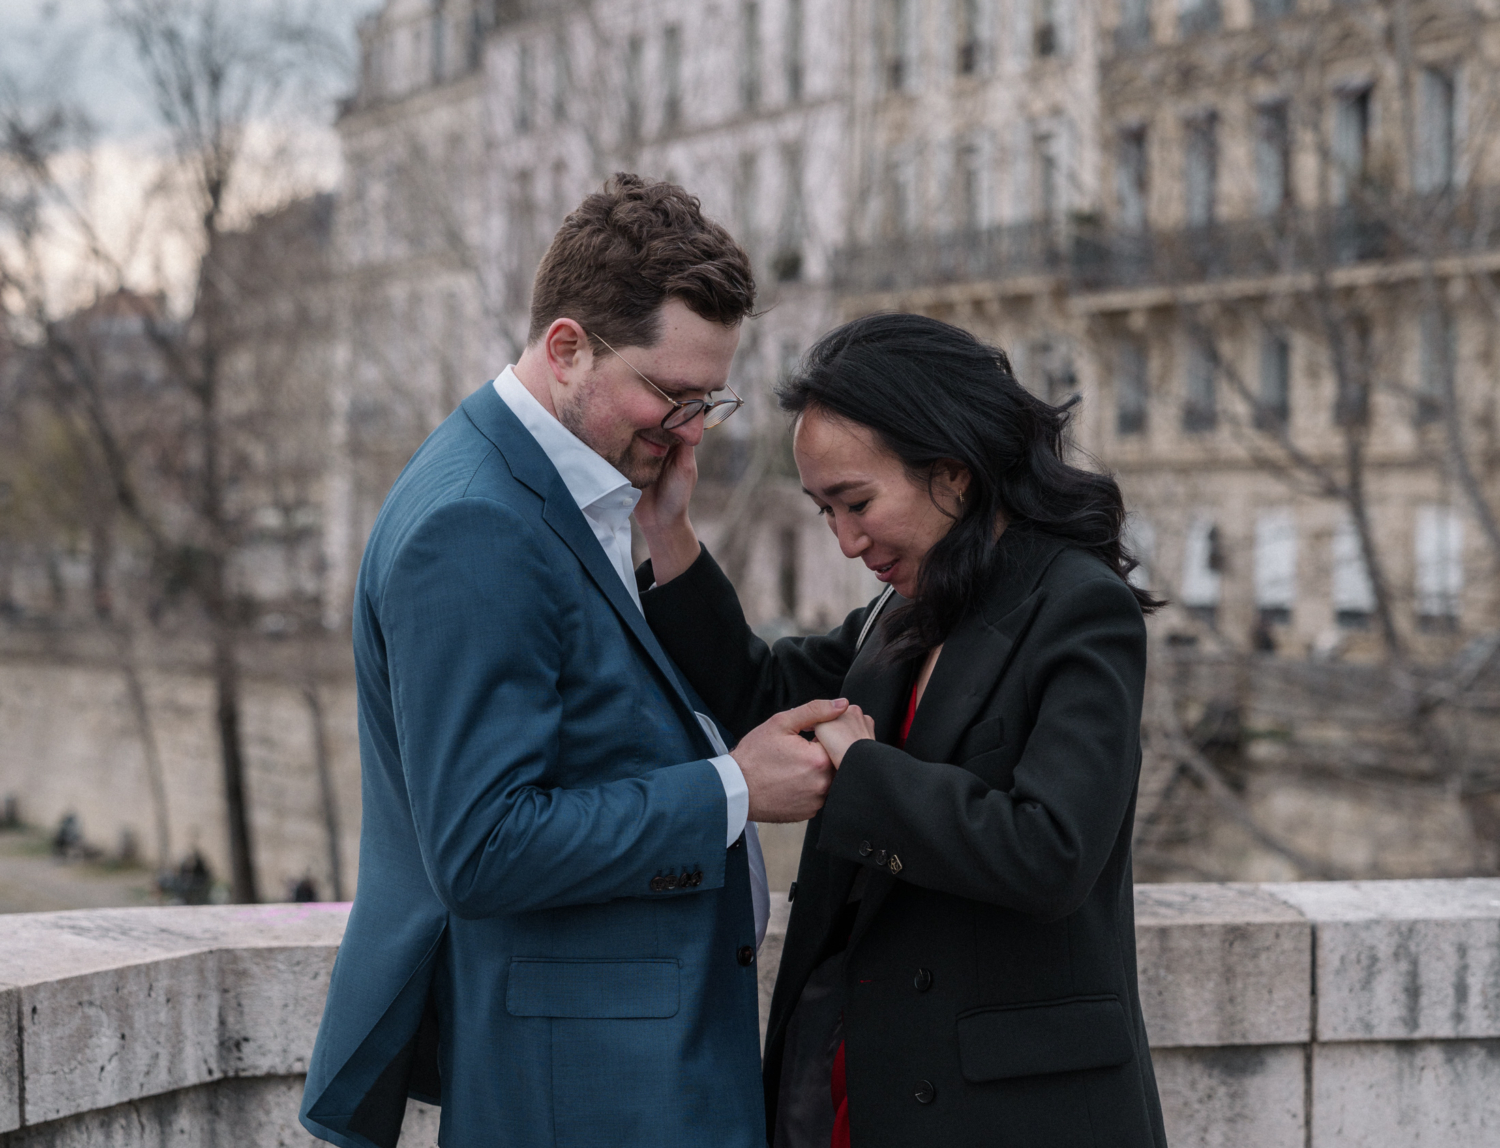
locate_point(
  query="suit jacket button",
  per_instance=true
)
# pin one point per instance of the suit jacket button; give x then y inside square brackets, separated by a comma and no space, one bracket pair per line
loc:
[881,858]
[697,877]
[923,980]
[865,849]
[745,955]
[791,894]
[656,885]
[925,1093]
[669,882]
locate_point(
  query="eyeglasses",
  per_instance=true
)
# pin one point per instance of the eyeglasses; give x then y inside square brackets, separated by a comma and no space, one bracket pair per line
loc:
[714,411]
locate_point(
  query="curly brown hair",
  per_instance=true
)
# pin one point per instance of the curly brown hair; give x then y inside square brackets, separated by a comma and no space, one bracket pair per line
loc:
[627,249]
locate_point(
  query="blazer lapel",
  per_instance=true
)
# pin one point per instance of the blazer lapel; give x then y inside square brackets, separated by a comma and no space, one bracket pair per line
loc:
[531,466]
[976,654]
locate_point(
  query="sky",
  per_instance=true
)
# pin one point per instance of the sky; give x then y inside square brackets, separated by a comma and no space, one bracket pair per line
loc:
[70,44]
[68,50]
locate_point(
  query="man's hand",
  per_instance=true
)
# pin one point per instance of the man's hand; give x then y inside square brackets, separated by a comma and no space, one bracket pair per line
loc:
[838,735]
[787,775]
[662,515]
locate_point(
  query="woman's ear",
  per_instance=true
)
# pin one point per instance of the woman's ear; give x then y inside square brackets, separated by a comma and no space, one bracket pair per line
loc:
[955,476]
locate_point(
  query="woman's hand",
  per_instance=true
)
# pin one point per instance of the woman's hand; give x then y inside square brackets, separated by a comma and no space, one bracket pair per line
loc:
[838,735]
[662,515]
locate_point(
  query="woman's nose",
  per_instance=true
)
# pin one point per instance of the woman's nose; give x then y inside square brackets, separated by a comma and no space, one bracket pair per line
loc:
[852,540]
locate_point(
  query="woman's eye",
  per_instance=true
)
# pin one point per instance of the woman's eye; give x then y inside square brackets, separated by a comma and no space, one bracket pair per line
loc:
[823,511]
[858,507]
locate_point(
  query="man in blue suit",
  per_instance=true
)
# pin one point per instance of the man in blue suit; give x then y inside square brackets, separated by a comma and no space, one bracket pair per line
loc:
[554,935]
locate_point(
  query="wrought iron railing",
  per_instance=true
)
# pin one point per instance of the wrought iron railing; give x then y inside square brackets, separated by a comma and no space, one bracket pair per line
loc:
[1091,256]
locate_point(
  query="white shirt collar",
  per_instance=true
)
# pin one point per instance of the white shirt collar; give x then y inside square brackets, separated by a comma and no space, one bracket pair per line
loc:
[589,479]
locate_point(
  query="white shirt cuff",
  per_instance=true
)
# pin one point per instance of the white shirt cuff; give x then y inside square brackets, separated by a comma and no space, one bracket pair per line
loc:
[736,796]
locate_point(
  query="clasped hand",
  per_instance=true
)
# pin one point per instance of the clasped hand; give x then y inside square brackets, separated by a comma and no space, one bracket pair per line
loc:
[788,776]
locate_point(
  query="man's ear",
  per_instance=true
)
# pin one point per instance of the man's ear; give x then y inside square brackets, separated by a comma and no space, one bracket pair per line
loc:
[569,353]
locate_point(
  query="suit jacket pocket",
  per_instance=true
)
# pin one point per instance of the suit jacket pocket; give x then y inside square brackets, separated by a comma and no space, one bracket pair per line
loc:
[593,989]
[1005,1041]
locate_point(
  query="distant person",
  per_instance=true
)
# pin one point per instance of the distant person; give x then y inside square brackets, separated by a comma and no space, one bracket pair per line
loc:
[959,969]
[559,896]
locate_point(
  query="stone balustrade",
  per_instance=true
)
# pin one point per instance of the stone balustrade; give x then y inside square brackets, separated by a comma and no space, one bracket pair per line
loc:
[1334,1015]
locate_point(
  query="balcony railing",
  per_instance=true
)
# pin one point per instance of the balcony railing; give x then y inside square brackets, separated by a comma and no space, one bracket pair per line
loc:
[1095,257]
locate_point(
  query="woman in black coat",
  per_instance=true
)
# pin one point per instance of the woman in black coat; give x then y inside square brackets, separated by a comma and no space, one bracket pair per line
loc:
[959,968]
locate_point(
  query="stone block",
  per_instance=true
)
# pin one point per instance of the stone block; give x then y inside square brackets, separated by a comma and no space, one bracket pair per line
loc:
[1245,1097]
[10,1059]
[271,1001]
[1404,960]
[1222,965]
[103,1038]
[260,1111]
[1407,1094]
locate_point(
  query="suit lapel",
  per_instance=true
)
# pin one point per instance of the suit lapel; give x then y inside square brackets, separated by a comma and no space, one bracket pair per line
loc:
[531,466]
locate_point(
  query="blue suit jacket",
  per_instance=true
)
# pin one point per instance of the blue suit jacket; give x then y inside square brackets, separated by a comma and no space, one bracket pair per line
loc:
[531,767]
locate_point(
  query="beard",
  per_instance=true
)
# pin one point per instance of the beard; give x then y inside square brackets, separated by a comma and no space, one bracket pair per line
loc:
[631,458]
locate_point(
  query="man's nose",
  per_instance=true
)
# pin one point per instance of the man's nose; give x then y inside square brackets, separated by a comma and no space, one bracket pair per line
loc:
[690,433]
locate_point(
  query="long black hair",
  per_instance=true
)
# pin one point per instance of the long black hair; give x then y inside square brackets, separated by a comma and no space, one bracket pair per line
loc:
[933,393]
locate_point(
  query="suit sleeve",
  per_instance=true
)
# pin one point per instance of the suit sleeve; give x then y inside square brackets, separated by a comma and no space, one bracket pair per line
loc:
[698,620]
[1039,847]
[474,627]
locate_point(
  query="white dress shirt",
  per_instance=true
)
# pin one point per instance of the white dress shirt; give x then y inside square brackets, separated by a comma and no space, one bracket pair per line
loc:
[607,499]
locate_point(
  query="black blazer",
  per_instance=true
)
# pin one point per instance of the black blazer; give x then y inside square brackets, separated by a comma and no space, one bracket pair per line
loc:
[990,972]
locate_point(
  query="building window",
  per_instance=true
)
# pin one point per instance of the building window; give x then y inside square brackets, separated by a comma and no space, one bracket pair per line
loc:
[439,42]
[1266,11]
[744,198]
[896,34]
[1200,175]
[1351,143]
[1273,404]
[1275,566]
[970,45]
[1353,364]
[1435,131]
[1049,187]
[671,79]
[896,199]
[1045,29]
[1437,353]
[562,78]
[1440,567]
[524,86]
[786,265]
[749,55]
[1200,410]
[1131,178]
[1273,158]
[1353,592]
[1202,571]
[1140,540]
[793,57]
[968,188]
[1052,361]
[1132,387]
[635,58]
[1197,17]
[1134,28]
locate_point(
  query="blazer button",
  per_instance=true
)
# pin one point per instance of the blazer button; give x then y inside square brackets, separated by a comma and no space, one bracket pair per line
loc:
[865,849]
[881,858]
[656,884]
[896,865]
[697,877]
[925,1093]
[745,955]
[791,894]
[923,980]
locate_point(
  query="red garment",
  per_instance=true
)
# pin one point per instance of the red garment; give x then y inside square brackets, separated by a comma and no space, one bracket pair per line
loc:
[839,1082]
[840,1102]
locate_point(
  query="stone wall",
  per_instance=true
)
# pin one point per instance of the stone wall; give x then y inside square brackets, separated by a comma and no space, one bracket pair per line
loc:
[1331,1015]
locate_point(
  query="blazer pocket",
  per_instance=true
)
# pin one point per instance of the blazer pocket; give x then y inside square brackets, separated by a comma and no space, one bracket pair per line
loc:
[593,989]
[982,737]
[1005,1041]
